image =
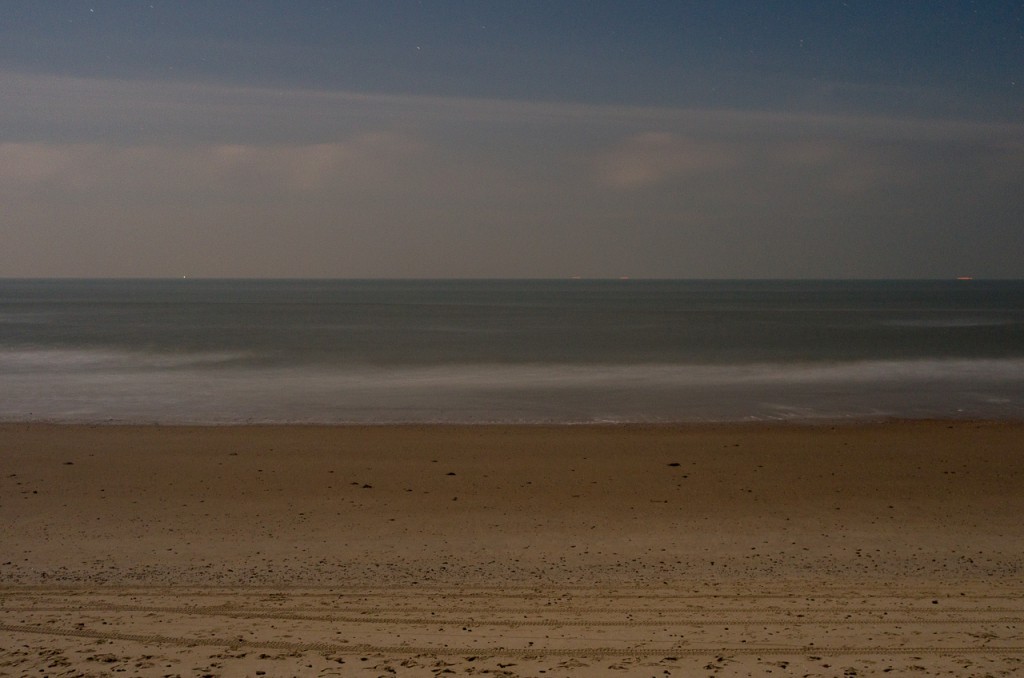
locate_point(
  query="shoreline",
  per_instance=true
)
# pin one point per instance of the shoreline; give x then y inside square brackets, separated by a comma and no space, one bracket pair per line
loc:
[586,550]
[682,425]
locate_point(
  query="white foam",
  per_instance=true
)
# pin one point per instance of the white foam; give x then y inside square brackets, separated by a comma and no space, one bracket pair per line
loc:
[133,387]
[538,376]
[71,361]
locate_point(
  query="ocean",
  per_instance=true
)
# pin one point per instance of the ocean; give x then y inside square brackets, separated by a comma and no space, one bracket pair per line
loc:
[508,351]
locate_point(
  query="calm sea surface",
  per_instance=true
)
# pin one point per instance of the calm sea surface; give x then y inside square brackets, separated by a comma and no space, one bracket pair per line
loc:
[232,351]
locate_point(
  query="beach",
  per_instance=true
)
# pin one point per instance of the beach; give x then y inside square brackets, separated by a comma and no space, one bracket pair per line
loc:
[513,550]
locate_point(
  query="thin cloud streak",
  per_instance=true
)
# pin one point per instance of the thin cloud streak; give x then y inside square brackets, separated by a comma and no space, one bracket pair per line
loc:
[82,109]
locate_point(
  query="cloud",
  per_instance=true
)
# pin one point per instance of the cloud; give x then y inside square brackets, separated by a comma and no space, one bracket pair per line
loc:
[231,170]
[306,168]
[222,180]
[138,112]
[651,158]
[844,168]
[29,163]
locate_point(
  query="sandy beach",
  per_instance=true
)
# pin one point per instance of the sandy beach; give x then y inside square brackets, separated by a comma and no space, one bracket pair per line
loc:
[575,550]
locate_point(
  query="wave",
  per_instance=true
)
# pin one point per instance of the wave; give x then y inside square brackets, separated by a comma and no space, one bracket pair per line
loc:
[561,376]
[209,387]
[505,375]
[951,323]
[71,361]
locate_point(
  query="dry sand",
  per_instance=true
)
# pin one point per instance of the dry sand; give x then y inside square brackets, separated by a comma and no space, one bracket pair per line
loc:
[543,551]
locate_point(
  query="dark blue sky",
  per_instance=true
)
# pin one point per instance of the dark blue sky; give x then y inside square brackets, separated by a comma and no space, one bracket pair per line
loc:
[827,54]
[678,139]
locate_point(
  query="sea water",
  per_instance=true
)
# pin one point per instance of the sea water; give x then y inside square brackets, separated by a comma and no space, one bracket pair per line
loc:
[460,351]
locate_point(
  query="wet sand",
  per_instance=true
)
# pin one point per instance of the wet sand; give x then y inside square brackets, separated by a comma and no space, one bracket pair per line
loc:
[625,550]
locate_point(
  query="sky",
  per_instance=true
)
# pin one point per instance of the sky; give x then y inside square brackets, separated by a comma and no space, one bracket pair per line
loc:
[526,139]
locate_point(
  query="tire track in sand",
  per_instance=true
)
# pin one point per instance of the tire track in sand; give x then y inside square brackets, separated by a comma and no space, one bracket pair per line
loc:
[502,651]
[291,620]
[371,616]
